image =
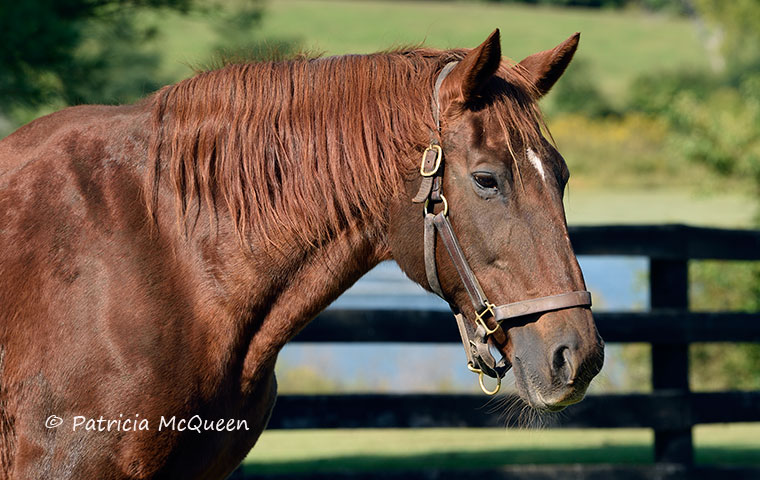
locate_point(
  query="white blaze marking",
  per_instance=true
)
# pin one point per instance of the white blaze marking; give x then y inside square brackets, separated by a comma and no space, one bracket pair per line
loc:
[536,163]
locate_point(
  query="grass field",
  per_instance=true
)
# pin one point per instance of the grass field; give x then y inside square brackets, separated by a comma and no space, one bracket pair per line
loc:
[330,450]
[614,206]
[617,45]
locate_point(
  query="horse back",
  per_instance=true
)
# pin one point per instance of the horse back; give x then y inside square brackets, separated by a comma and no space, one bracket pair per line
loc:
[72,133]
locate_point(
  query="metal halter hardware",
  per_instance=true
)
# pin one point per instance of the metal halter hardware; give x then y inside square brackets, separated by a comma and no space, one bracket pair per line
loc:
[474,334]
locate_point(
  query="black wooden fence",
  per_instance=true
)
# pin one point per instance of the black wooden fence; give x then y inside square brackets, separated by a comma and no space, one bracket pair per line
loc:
[671,409]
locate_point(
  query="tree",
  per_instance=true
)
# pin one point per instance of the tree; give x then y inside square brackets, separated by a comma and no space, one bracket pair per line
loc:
[65,52]
[736,24]
[40,62]
[720,126]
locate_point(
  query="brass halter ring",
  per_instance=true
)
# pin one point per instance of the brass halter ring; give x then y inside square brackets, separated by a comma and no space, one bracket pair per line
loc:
[480,381]
[445,205]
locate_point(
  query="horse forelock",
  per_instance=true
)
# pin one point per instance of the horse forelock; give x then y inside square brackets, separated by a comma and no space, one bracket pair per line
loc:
[299,149]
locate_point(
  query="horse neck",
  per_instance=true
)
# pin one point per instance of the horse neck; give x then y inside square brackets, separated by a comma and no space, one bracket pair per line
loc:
[307,246]
[310,283]
[263,297]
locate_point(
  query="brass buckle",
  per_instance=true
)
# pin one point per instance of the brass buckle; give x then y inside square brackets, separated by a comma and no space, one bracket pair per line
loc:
[438,156]
[479,318]
[445,205]
[480,381]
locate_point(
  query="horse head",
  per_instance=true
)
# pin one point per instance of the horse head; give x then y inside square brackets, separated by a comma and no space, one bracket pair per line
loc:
[488,203]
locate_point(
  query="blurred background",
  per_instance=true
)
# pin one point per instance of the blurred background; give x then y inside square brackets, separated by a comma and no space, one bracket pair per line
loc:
[658,117]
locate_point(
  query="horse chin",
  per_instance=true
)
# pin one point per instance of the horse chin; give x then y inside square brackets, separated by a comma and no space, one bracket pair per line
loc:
[544,402]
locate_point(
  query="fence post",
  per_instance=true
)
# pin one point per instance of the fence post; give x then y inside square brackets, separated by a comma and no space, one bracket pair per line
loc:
[669,288]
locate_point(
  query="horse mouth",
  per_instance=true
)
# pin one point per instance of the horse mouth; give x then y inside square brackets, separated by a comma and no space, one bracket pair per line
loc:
[549,402]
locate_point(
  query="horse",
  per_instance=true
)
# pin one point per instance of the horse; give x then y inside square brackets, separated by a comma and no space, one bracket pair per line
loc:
[156,257]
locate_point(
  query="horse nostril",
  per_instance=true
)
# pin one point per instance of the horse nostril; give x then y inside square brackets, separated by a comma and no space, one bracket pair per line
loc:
[562,365]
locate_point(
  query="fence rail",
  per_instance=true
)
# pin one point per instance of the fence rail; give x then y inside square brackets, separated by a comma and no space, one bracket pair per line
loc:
[667,242]
[659,410]
[411,326]
[662,471]
[671,409]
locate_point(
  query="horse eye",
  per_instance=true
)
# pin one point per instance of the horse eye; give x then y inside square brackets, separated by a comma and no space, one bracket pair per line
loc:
[485,180]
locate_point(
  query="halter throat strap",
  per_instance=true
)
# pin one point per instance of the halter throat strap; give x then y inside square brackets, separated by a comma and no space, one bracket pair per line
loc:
[489,317]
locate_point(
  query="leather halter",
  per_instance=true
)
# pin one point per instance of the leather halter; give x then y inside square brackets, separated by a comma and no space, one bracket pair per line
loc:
[489,317]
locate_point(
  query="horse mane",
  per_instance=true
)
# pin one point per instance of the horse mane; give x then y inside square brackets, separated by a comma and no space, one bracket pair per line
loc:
[297,150]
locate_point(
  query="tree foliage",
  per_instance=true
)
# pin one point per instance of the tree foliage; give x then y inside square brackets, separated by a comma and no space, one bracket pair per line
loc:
[65,52]
[676,6]
[233,26]
[714,118]
[41,59]
[737,23]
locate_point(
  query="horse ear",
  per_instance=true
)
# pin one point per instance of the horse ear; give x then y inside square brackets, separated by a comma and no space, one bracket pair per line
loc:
[474,70]
[545,68]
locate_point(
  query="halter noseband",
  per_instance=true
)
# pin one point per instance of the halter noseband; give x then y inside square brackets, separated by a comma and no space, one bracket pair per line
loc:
[488,316]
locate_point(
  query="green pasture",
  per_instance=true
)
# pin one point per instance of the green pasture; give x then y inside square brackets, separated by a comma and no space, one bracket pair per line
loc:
[606,207]
[619,45]
[295,451]
[642,42]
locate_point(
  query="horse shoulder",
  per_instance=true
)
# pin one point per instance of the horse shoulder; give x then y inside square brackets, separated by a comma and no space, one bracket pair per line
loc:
[64,179]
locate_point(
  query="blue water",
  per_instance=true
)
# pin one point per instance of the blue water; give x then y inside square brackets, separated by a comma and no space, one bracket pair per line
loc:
[616,283]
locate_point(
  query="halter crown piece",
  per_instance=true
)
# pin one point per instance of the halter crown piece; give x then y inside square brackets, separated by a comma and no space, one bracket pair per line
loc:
[488,317]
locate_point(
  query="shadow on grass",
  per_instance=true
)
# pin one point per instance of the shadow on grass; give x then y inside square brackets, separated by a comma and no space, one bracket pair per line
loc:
[612,454]
[727,456]
[457,460]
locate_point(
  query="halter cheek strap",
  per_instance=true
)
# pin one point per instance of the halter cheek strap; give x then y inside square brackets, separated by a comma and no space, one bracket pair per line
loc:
[489,317]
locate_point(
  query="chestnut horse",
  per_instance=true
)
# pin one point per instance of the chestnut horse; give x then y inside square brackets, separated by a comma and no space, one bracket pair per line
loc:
[155,258]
